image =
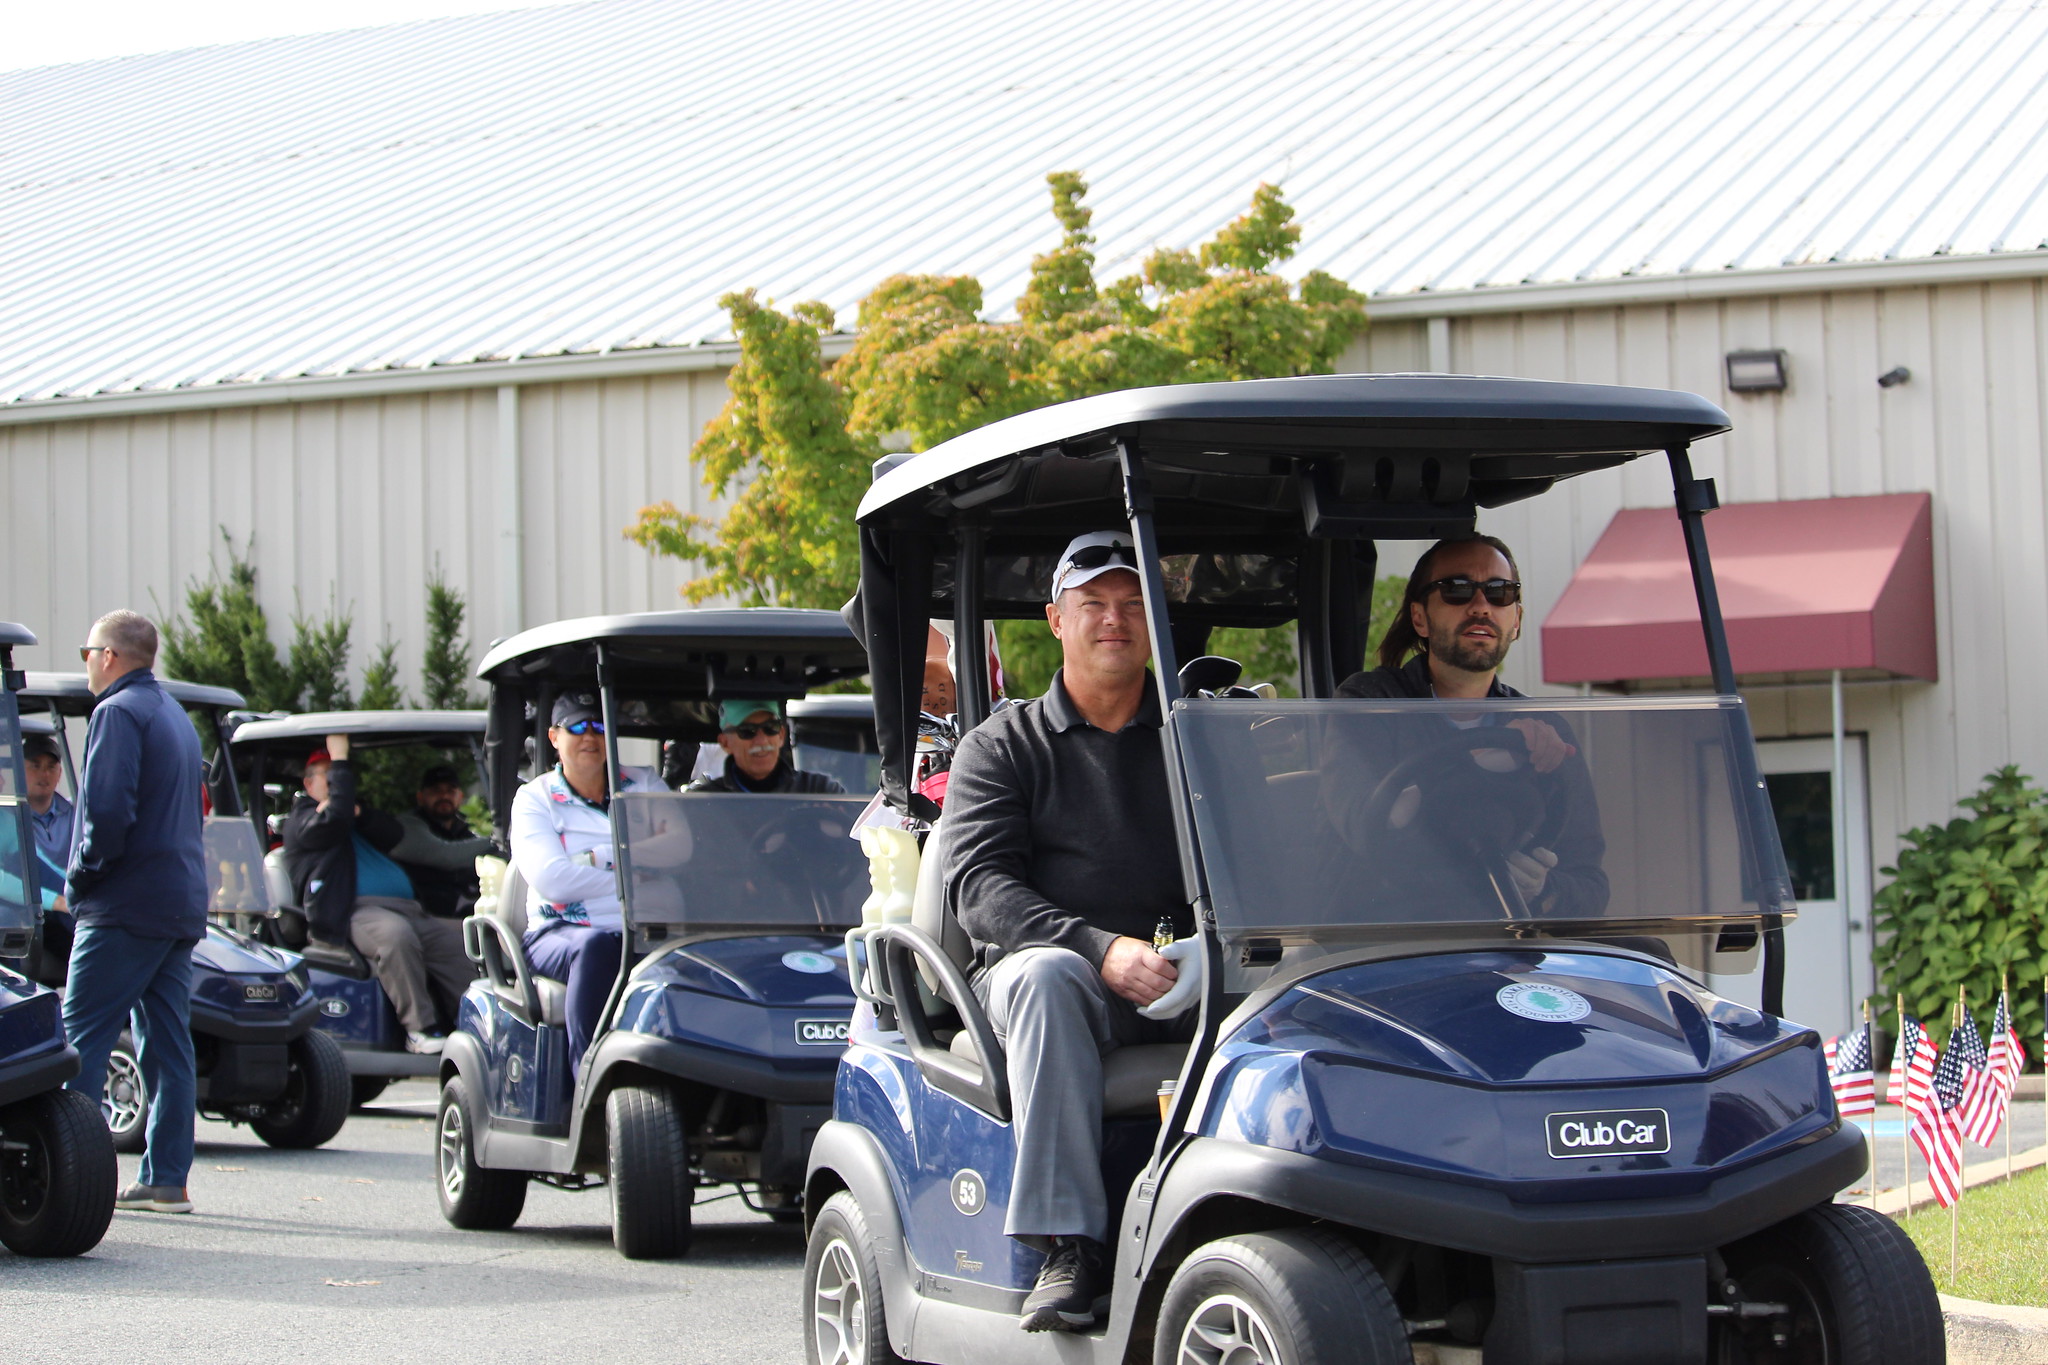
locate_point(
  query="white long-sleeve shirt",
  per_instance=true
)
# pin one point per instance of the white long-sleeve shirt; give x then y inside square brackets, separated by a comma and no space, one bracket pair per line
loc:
[551,824]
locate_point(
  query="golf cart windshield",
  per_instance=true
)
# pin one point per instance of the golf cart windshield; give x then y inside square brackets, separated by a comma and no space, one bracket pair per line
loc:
[1316,818]
[234,868]
[714,862]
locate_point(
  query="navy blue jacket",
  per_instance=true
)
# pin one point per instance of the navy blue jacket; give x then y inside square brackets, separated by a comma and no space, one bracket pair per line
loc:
[139,862]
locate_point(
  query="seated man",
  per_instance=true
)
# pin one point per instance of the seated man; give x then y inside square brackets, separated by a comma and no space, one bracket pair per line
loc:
[1060,861]
[50,816]
[438,849]
[752,734]
[1461,613]
[562,845]
[337,851]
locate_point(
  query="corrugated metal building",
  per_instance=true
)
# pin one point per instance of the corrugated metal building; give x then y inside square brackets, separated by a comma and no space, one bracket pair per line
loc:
[447,291]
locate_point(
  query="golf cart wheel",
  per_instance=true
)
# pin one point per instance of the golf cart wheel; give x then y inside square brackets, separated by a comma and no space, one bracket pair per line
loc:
[1856,1291]
[472,1196]
[1301,1296]
[843,1290]
[363,1089]
[649,1173]
[125,1098]
[57,1175]
[314,1104]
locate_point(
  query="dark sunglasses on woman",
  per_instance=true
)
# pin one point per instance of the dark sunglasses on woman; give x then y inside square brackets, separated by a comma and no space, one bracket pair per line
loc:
[1458,590]
[770,728]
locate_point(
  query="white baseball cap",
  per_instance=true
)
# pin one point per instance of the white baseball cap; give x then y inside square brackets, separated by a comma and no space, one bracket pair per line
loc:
[1092,555]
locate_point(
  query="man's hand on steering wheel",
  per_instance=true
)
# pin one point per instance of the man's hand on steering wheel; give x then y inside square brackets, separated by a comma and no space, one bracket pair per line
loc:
[1530,869]
[1133,970]
[1547,748]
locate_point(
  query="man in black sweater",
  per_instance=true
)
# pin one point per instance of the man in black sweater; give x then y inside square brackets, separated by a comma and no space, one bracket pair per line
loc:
[755,738]
[1059,859]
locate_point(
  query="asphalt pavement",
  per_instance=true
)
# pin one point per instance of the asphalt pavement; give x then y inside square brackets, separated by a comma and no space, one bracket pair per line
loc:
[1888,1129]
[341,1254]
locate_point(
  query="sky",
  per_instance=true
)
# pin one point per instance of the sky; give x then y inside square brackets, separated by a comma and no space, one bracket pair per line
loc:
[40,34]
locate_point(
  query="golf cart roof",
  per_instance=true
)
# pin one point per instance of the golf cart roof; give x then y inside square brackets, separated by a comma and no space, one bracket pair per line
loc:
[841,707]
[1381,443]
[69,694]
[13,633]
[38,725]
[744,651]
[370,729]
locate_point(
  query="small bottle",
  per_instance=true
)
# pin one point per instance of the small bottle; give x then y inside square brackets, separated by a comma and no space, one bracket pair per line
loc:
[1162,933]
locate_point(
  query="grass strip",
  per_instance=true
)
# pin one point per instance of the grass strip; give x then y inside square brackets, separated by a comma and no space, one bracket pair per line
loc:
[2002,1248]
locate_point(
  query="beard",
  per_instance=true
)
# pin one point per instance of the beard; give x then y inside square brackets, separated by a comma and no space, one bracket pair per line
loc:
[1473,656]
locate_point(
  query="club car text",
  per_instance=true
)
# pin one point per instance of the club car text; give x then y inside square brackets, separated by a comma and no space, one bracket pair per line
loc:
[1611,1132]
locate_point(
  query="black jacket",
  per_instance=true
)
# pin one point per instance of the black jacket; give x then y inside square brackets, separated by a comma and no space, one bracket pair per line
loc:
[139,860]
[321,856]
[786,778]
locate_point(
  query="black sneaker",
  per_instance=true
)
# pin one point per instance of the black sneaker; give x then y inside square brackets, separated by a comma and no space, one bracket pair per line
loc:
[1064,1298]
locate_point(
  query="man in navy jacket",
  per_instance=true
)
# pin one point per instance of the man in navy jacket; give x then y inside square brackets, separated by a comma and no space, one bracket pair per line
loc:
[137,884]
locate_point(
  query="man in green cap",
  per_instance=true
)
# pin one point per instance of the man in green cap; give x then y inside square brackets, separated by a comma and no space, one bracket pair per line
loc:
[754,738]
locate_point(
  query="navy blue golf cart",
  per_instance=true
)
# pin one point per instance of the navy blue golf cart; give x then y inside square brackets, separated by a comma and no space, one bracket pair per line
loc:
[57,1168]
[714,1061]
[260,1059]
[269,753]
[1425,1115]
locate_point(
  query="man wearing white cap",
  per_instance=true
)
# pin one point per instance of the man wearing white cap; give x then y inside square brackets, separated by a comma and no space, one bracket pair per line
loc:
[1060,860]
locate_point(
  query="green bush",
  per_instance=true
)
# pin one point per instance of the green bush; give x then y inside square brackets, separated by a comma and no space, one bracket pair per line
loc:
[1967,903]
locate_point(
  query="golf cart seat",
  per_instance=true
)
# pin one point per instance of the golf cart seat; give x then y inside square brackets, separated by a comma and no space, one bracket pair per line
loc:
[1131,1076]
[497,942]
[293,931]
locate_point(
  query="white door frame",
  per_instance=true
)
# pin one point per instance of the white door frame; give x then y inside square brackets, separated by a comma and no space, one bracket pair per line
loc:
[1828,969]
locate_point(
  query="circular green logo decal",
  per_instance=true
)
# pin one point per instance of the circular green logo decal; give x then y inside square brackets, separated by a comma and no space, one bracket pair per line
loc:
[809,963]
[1545,1004]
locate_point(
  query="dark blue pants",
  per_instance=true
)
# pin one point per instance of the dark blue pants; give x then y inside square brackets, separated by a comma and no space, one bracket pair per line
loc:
[586,960]
[114,972]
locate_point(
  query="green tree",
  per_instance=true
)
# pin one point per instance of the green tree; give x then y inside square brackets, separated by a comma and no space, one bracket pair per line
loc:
[224,637]
[381,689]
[444,668]
[318,663]
[797,438]
[1967,905]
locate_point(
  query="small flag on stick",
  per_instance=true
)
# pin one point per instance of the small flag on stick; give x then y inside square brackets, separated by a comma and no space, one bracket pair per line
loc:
[2008,1054]
[1938,1131]
[1849,1075]
[1983,1107]
[1912,1066]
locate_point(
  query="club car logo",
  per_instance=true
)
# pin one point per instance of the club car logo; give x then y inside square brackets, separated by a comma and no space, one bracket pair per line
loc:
[822,1032]
[1544,1004]
[1609,1132]
[259,991]
[970,1195]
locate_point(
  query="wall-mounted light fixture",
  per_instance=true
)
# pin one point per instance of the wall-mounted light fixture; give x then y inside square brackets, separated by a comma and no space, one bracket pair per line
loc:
[1756,371]
[1895,376]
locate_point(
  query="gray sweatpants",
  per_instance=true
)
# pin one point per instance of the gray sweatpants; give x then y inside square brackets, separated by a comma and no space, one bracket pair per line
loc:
[407,947]
[1057,1018]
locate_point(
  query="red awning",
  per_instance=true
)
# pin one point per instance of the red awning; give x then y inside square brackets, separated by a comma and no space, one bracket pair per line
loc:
[1805,587]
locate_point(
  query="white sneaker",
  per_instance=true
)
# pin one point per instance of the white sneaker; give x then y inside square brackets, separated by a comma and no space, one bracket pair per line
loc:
[428,1043]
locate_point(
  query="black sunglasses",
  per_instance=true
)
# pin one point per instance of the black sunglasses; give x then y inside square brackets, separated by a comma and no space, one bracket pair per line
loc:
[585,727]
[770,728]
[1095,556]
[1458,590]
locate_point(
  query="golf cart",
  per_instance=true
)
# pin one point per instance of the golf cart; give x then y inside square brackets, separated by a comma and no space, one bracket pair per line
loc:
[260,1059]
[57,1166]
[1425,1114]
[269,754]
[714,1061]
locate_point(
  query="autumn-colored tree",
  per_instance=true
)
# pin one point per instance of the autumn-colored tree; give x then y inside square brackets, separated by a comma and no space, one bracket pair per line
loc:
[797,438]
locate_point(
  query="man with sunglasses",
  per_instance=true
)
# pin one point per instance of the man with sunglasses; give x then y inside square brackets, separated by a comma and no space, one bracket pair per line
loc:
[754,737]
[1460,614]
[562,846]
[1060,860]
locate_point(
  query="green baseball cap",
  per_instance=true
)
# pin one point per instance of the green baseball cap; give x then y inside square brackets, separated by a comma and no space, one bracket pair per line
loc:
[735,712]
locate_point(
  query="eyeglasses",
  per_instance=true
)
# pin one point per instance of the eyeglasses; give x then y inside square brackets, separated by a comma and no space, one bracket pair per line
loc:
[1458,590]
[85,652]
[585,727]
[770,728]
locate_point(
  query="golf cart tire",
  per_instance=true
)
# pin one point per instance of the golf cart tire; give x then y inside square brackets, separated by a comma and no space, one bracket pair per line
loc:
[843,1290]
[316,1099]
[1316,1295]
[363,1089]
[1859,1290]
[473,1197]
[648,1169]
[128,1124]
[57,1187]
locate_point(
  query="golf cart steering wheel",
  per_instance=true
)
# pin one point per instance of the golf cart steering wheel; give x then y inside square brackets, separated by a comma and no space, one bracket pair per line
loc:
[1514,792]
[778,844]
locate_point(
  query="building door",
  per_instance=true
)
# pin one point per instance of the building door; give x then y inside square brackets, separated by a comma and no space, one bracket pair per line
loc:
[1827,948]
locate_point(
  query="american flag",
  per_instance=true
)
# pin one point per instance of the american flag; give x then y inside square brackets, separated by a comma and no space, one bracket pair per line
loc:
[1912,1067]
[1983,1107]
[1937,1129]
[1849,1075]
[2008,1056]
